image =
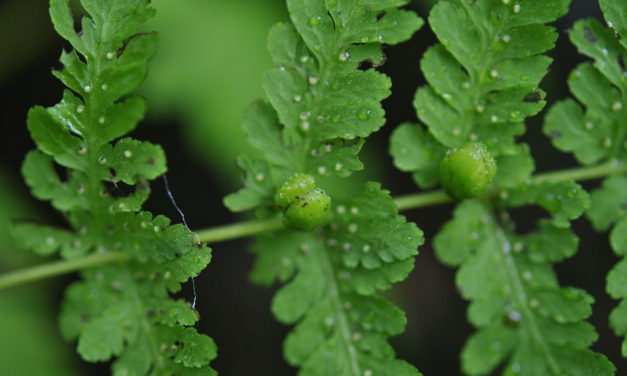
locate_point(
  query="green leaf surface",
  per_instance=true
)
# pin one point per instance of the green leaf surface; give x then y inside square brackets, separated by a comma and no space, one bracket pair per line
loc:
[565,200]
[525,320]
[120,313]
[482,79]
[608,203]
[414,149]
[341,325]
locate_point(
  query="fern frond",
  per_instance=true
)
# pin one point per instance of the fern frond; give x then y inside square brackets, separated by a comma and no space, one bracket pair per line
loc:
[321,105]
[120,311]
[341,325]
[483,82]
[324,99]
[525,318]
[593,129]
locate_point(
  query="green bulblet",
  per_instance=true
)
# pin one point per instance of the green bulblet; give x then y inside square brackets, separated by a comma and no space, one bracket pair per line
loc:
[308,211]
[466,172]
[296,185]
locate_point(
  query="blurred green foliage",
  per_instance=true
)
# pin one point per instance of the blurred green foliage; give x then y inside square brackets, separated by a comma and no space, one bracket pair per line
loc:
[30,342]
[207,88]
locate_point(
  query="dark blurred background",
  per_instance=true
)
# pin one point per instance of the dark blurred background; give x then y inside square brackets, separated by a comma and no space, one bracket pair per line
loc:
[208,68]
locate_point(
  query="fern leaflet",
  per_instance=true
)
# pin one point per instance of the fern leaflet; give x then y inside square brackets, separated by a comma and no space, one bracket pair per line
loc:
[120,311]
[597,133]
[483,82]
[321,109]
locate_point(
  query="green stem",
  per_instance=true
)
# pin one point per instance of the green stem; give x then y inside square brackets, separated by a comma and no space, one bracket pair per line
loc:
[253,227]
[584,173]
[419,200]
[61,267]
[239,230]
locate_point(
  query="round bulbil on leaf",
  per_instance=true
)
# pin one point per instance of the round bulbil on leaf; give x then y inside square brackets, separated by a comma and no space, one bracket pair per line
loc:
[308,211]
[296,185]
[465,172]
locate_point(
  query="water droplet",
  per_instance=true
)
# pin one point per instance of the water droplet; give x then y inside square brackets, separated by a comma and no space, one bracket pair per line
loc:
[533,303]
[347,246]
[466,85]
[304,126]
[82,150]
[506,248]
[156,229]
[516,368]
[604,51]
[87,89]
[298,98]
[320,119]
[457,131]
[338,166]
[260,177]
[80,189]
[304,59]
[368,372]
[341,209]
[494,118]
[474,137]
[104,87]
[616,106]
[518,247]
[589,125]
[80,108]
[515,114]
[447,96]
[506,2]
[102,120]
[328,148]
[110,55]
[366,248]
[494,73]
[344,56]
[516,8]
[514,316]
[50,240]
[364,114]
[313,80]
[504,195]
[480,108]
[527,275]
[607,142]
[314,20]
[354,210]
[322,170]
[128,153]
[356,336]
[506,38]
[352,227]
[332,242]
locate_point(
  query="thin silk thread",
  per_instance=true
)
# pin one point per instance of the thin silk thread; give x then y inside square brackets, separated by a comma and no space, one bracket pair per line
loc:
[171,196]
